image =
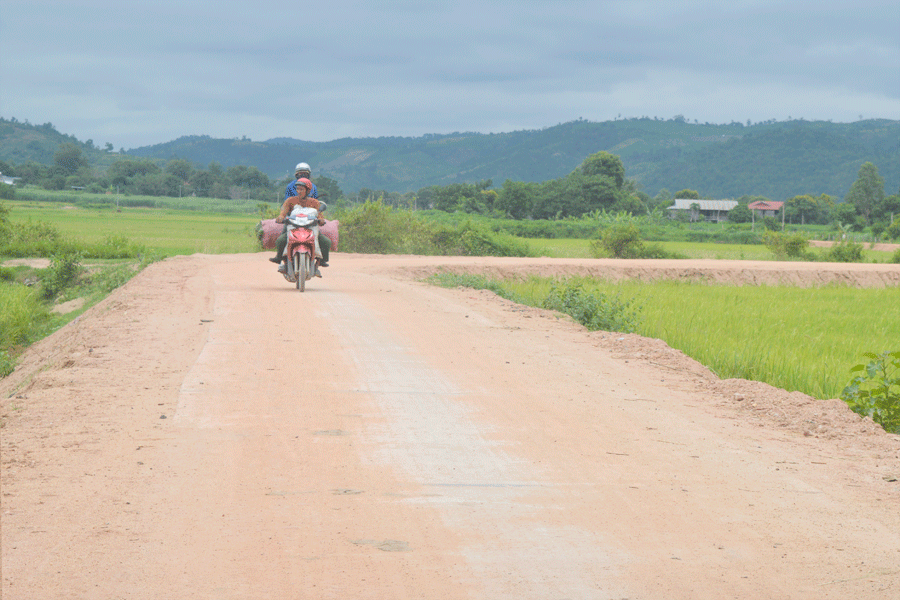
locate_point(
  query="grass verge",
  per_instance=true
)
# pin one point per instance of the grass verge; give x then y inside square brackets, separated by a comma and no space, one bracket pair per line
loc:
[797,339]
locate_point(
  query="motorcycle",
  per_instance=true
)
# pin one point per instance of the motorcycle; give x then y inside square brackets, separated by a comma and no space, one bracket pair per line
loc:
[301,262]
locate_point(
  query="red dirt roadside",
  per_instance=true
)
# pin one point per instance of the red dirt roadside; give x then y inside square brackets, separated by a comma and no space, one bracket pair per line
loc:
[207,432]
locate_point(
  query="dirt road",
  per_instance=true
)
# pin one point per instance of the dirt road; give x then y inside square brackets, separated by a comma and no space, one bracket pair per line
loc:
[166,446]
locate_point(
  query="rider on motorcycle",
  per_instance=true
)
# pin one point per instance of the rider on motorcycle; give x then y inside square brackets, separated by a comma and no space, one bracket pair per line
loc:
[301,199]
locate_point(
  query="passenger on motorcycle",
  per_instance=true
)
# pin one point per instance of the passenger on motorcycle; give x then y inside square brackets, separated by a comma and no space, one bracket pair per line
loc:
[301,171]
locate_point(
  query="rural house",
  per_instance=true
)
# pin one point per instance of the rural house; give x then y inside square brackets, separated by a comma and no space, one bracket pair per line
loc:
[765,208]
[707,210]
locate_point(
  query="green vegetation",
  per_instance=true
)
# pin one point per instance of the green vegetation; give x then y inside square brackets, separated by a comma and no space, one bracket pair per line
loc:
[21,313]
[27,295]
[594,310]
[89,256]
[103,232]
[375,228]
[875,390]
[624,241]
[787,245]
[783,336]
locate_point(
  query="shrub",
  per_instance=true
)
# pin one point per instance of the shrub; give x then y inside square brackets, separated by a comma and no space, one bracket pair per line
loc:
[375,228]
[875,392]
[896,257]
[784,245]
[845,251]
[594,310]
[7,365]
[624,241]
[893,231]
[619,241]
[62,273]
[33,239]
[478,282]
[19,307]
[474,240]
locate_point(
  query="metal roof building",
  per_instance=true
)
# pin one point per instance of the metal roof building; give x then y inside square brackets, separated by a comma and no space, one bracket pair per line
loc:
[710,210]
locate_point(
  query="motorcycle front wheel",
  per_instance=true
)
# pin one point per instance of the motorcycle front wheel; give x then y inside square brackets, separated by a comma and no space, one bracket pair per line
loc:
[289,271]
[301,268]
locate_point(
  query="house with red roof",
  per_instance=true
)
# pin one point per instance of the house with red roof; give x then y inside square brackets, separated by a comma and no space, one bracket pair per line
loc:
[766,208]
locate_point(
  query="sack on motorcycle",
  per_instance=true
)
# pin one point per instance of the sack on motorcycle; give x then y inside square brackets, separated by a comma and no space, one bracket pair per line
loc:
[267,233]
[330,230]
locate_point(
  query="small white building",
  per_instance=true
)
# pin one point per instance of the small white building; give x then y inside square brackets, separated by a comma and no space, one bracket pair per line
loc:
[707,210]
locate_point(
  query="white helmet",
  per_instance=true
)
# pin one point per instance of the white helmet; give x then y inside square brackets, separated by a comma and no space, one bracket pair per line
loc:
[302,167]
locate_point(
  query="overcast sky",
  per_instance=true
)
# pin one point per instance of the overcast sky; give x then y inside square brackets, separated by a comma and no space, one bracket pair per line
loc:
[134,73]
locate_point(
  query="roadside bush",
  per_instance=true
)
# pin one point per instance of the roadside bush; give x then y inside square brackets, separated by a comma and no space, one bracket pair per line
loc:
[19,306]
[624,241]
[896,257]
[845,251]
[875,391]
[619,241]
[62,273]
[375,228]
[594,310]
[476,282]
[33,239]
[785,245]
[474,240]
[7,365]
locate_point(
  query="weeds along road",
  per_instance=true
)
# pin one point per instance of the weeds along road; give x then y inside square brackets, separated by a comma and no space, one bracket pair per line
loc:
[208,432]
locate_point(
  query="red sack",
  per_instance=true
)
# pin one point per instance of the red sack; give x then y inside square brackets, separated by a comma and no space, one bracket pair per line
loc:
[330,230]
[267,233]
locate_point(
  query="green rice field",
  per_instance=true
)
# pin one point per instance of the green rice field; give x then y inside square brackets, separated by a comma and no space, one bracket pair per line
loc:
[168,231]
[798,339]
[581,248]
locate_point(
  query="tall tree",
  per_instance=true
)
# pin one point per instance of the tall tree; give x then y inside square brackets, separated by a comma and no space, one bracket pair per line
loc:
[69,159]
[604,163]
[180,168]
[867,192]
[515,199]
[805,206]
[687,195]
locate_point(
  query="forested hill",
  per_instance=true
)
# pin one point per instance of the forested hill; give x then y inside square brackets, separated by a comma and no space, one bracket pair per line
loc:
[774,159]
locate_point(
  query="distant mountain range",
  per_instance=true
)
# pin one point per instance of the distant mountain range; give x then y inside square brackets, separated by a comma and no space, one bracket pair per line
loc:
[775,159]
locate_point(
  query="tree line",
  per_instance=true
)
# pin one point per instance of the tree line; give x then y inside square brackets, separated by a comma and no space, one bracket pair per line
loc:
[71,169]
[597,184]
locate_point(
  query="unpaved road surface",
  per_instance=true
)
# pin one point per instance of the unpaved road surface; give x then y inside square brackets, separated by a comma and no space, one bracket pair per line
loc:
[207,432]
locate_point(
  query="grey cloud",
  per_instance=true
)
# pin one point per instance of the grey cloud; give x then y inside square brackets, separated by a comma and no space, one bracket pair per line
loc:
[138,73]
